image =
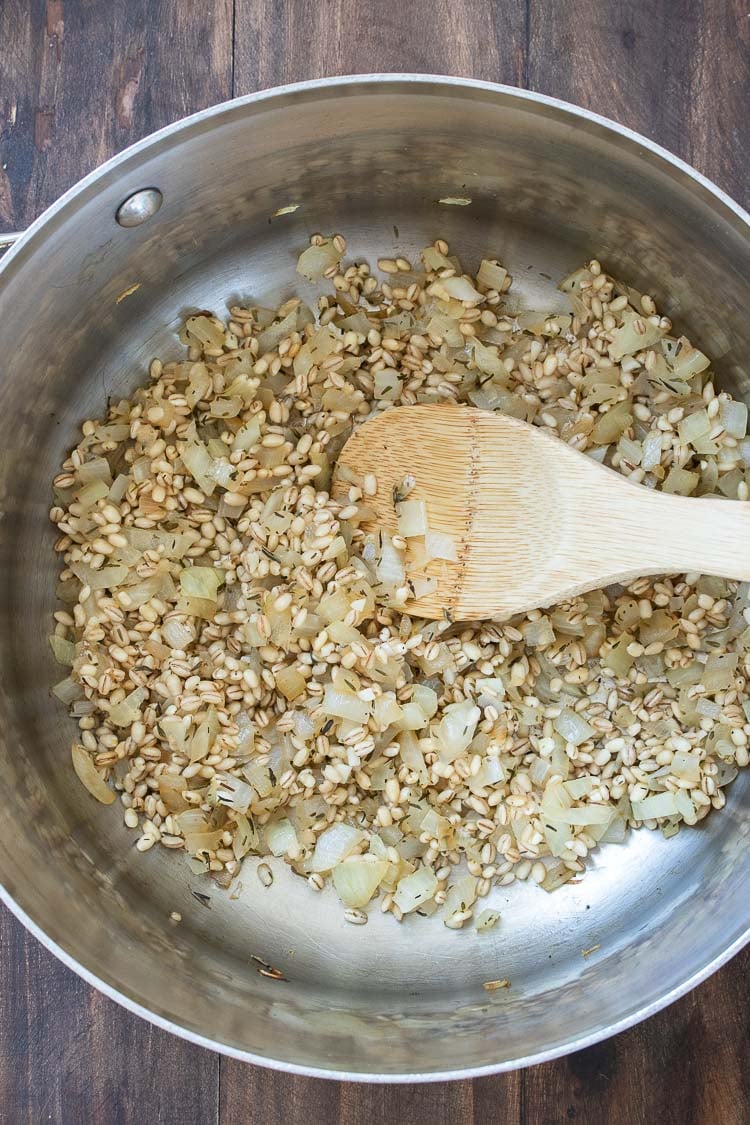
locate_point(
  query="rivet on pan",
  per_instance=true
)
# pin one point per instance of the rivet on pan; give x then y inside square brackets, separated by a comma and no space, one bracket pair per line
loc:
[139,207]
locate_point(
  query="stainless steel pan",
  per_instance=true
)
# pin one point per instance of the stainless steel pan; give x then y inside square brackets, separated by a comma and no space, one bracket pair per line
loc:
[371,157]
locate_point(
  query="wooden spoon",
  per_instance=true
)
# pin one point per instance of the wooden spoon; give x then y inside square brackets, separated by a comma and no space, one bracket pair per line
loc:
[534,521]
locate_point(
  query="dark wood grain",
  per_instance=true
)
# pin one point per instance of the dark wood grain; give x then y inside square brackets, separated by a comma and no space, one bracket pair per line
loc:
[276,42]
[79,80]
[69,1055]
[677,71]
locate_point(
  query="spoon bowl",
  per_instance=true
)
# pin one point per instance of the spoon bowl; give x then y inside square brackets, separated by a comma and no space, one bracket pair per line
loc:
[533,521]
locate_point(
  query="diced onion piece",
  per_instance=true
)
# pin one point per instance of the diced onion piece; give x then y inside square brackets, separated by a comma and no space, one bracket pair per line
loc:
[456,729]
[269,340]
[461,895]
[387,710]
[95,469]
[204,737]
[538,633]
[345,705]
[636,334]
[280,836]
[333,846]
[426,700]
[199,463]
[720,671]
[247,436]
[733,416]
[686,767]
[610,426]
[206,329]
[557,875]
[415,889]
[106,577]
[63,651]
[91,493]
[357,879]
[89,775]
[438,545]
[245,836]
[487,360]
[232,791]
[651,450]
[461,289]
[412,717]
[178,634]
[656,806]
[694,427]
[201,582]
[681,482]
[491,274]
[171,789]
[175,730]
[390,566]
[315,260]
[487,920]
[388,384]
[412,518]
[290,682]
[129,709]
[572,726]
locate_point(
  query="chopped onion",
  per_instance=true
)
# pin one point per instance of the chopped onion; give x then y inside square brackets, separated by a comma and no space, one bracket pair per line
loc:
[651,450]
[280,836]
[201,582]
[491,274]
[315,260]
[290,682]
[573,727]
[206,329]
[426,700]
[438,545]
[89,775]
[610,426]
[538,633]
[107,577]
[199,463]
[357,879]
[415,889]
[680,481]
[231,791]
[720,671]
[390,566]
[733,416]
[460,288]
[487,920]
[171,789]
[63,651]
[344,704]
[204,737]
[412,518]
[655,807]
[487,360]
[129,710]
[178,634]
[456,729]
[333,845]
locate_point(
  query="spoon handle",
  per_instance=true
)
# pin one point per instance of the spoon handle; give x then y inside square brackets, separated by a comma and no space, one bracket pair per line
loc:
[653,532]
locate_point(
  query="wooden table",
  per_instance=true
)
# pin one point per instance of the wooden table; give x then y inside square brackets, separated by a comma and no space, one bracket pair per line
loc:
[79,80]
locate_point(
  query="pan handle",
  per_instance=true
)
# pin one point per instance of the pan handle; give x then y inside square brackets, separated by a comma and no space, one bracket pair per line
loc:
[8,238]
